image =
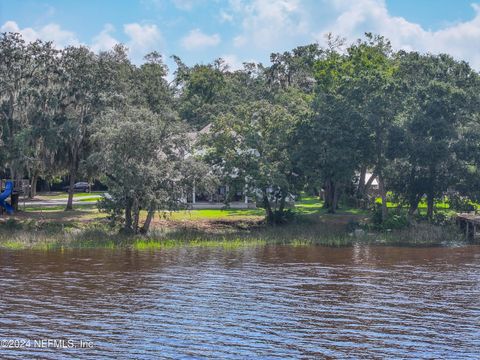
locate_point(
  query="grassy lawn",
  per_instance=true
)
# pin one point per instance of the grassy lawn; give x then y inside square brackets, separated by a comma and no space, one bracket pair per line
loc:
[88,198]
[215,214]
[440,207]
[313,206]
[305,207]
[422,205]
[80,196]
[56,208]
[77,217]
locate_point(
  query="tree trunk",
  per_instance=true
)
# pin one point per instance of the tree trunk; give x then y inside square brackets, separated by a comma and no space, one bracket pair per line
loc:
[128,216]
[136,219]
[336,195]
[383,194]
[361,182]
[136,215]
[283,201]
[148,220]
[413,207]
[328,192]
[73,175]
[268,208]
[430,203]
[33,185]
[331,196]
[430,193]
[71,188]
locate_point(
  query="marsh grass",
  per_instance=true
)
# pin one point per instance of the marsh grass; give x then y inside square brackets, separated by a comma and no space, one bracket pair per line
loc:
[101,236]
[147,244]
[227,228]
[15,235]
[424,234]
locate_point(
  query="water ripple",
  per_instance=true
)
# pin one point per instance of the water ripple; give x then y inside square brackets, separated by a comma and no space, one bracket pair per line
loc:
[265,302]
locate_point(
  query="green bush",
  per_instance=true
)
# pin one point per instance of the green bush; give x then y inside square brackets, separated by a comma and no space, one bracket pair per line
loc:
[441,218]
[283,217]
[394,220]
[460,203]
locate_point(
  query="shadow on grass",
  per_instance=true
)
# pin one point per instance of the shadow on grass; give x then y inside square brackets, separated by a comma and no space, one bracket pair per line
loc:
[43,208]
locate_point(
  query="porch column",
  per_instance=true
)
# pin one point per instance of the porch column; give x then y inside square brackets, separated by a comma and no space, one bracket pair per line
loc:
[193,193]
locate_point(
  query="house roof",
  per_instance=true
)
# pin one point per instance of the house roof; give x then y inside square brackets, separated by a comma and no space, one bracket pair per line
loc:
[193,135]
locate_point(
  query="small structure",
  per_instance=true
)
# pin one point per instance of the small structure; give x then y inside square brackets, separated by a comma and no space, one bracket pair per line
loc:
[12,189]
[217,198]
[470,224]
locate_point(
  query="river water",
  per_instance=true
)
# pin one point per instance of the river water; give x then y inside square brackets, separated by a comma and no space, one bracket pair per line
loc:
[257,302]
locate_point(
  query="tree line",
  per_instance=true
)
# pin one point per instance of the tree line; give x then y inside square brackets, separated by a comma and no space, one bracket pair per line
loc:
[314,119]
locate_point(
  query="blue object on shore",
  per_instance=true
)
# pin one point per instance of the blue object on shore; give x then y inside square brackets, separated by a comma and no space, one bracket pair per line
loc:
[4,195]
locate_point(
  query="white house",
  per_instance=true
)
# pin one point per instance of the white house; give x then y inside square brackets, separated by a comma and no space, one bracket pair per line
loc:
[215,199]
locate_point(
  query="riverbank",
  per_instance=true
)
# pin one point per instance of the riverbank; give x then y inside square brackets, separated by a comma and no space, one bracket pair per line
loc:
[85,227]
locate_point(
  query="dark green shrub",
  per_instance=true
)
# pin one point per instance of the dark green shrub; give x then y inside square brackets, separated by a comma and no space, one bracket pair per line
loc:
[394,220]
[460,203]
[440,218]
[282,217]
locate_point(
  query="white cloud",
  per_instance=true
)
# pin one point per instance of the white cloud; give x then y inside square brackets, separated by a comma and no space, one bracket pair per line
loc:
[104,40]
[50,32]
[355,18]
[232,61]
[278,25]
[196,39]
[267,24]
[142,36]
[142,39]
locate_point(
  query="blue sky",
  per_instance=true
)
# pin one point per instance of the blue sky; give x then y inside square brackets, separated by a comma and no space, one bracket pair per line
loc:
[245,30]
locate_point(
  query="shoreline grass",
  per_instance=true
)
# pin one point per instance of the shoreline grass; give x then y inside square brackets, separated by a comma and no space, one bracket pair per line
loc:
[295,235]
[50,229]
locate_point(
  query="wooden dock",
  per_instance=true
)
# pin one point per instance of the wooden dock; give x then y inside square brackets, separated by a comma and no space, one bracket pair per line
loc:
[470,224]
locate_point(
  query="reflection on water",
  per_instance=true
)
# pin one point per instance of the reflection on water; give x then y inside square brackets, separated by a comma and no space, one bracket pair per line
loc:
[274,301]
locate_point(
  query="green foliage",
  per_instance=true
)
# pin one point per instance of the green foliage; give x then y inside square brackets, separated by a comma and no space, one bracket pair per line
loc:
[441,218]
[460,203]
[394,221]
[142,156]
[201,93]
[316,118]
[252,148]
[435,127]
